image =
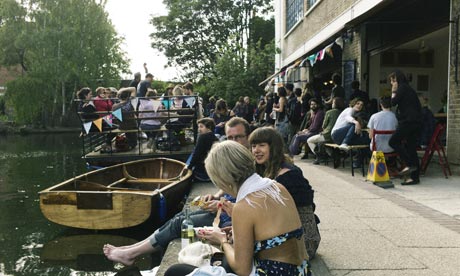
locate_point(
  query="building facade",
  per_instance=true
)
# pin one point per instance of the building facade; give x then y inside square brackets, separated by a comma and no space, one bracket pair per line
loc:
[365,40]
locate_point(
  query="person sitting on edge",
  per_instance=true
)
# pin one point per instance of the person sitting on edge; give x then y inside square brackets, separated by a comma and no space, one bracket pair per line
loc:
[206,139]
[312,127]
[268,150]
[325,136]
[237,129]
[129,118]
[267,232]
[101,102]
[148,114]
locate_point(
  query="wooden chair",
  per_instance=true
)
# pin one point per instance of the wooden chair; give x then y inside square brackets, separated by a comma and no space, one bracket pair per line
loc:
[436,145]
[387,155]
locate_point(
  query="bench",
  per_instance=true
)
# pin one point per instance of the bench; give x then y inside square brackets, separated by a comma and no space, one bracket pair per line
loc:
[350,149]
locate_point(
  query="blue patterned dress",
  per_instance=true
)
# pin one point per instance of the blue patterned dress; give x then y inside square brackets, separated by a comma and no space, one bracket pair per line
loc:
[270,267]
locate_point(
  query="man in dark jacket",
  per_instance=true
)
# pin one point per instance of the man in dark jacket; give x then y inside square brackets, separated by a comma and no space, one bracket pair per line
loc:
[409,114]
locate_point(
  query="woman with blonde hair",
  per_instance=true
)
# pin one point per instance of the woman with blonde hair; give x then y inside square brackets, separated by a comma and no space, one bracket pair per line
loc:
[267,232]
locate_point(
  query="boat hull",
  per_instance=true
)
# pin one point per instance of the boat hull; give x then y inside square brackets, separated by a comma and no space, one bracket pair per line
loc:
[120,196]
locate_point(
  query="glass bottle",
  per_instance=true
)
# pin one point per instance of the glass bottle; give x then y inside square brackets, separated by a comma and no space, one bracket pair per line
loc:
[187,232]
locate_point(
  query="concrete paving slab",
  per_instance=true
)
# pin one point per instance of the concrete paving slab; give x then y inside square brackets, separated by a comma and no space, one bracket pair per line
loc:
[444,261]
[374,208]
[337,218]
[402,272]
[363,250]
[414,232]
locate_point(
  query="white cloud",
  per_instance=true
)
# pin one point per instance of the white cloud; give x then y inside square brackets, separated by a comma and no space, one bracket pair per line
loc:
[131,20]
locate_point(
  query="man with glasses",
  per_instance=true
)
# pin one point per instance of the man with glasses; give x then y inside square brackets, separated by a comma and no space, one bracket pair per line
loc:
[237,129]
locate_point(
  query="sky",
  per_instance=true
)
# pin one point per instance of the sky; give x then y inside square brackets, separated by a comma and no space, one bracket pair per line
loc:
[131,20]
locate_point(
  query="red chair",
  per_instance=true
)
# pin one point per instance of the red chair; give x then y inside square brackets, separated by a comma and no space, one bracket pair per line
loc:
[436,145]
[393,172]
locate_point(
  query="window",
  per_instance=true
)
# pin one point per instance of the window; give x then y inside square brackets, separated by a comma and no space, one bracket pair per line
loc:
[310,3]
[294,12]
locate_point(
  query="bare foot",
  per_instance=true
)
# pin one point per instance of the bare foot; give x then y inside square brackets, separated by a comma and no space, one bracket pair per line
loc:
[118,255]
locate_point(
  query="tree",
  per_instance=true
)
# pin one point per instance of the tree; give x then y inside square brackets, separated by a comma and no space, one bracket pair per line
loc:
[66,44]
[196,32]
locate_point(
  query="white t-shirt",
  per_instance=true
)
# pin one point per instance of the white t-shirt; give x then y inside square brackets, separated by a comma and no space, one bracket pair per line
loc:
[345,117]
[383,120]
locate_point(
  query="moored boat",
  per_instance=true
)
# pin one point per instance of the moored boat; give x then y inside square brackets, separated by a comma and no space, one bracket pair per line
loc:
[119,196]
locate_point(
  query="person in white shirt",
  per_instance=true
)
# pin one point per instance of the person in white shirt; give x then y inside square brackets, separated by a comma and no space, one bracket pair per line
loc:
[383,120]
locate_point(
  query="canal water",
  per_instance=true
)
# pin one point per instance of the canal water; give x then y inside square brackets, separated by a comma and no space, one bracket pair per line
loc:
[32,245]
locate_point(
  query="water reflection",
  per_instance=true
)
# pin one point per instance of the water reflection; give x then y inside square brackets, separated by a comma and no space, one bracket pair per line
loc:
[29,164]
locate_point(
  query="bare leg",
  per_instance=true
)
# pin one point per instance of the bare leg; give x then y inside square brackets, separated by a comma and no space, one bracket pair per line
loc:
[132,245]
[127,256]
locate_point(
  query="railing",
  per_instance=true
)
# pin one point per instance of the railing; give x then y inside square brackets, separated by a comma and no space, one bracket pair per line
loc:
[177,125]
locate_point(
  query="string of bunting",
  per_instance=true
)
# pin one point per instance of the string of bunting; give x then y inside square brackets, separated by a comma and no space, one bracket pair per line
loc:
[107,118]
[117,113]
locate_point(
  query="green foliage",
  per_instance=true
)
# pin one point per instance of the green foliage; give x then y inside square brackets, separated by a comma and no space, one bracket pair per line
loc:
[62,45]
[29,101]
[234,78]
[194,33]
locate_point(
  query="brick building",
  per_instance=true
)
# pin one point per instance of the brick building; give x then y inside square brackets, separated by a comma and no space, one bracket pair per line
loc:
[366,40]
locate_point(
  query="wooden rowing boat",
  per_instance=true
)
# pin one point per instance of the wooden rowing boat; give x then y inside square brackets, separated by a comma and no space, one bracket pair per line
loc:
[119,196]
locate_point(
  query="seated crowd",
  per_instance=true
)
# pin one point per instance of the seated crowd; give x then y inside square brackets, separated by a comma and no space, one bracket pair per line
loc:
[265,198]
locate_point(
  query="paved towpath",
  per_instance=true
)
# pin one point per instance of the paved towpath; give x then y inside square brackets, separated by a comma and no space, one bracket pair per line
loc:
[367,230]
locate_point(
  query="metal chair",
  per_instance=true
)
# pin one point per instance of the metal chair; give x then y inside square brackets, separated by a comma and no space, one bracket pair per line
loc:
[436,145]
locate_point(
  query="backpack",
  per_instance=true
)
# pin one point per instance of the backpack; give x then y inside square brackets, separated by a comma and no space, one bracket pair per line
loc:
[294,111]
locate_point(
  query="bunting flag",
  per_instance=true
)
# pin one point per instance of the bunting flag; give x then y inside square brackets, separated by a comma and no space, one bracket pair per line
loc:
[320,55]
[135,102]
[339,41]
[108,119]
[98,123]
[312,59]
[87,126]
[328,50]
[156,105]
[117,114]
[190,101]
[302,64]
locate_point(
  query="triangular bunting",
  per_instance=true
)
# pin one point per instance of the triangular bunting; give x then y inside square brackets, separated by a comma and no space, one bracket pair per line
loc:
[320,55]
[134,102]
[87,126]
[190,101]
[117,114]
[98,123]
[312,59]
[303,63]
[108,119]
[339,41]
[328,50]
[156,105]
